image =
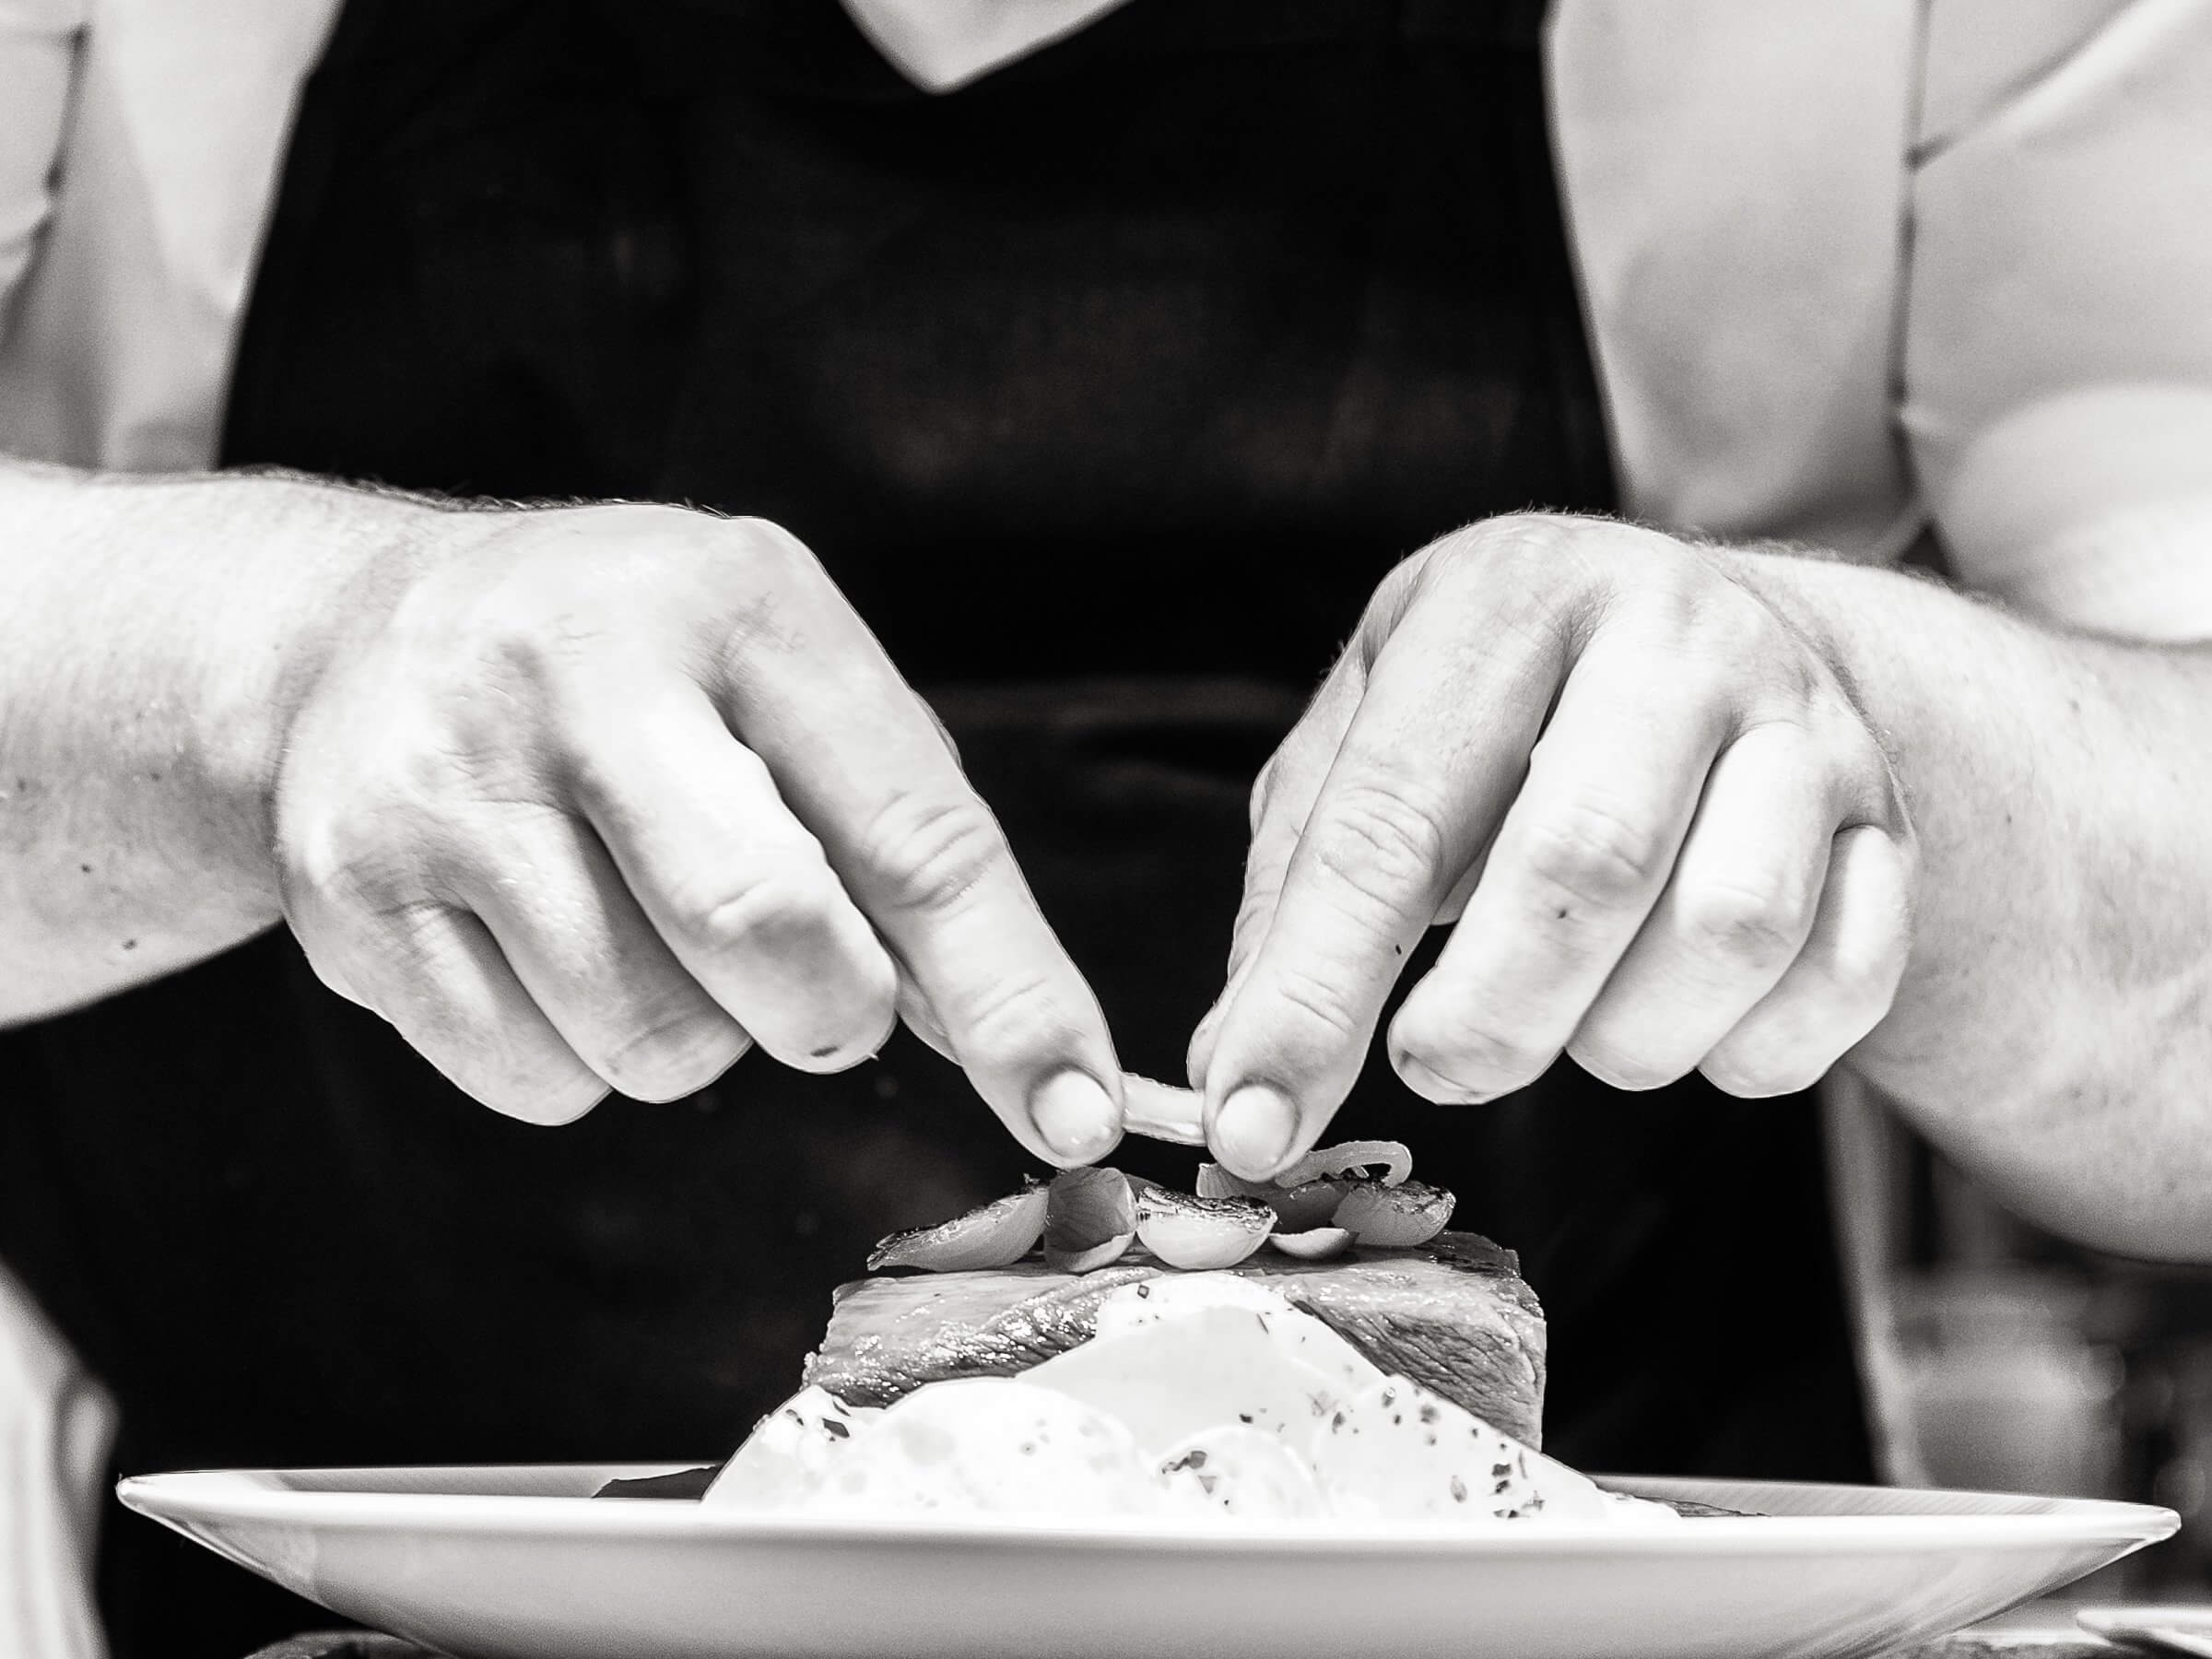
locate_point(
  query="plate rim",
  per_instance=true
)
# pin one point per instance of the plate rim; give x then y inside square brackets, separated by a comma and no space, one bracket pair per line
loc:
[195,1495]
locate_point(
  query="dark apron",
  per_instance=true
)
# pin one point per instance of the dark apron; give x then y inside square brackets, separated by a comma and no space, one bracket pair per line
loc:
[1107,388]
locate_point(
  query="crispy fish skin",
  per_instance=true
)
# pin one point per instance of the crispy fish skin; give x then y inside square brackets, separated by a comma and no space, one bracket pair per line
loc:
[1452,1314]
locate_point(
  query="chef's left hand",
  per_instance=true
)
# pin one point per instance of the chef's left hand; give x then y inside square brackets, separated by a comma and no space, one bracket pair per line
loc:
[1666,836]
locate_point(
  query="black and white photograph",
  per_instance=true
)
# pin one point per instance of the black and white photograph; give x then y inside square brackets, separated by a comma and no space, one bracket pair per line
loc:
[1105,829]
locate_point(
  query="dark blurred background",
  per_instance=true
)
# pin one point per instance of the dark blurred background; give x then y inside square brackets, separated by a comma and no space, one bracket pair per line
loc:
[2003,1359]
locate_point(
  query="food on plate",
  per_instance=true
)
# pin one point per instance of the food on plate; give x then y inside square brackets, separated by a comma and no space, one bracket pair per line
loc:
[995,1235]
[986,1446]
[1452,1314]
[1157,1363]
[1198,1233]
[1394,1216]
[1197,1394]
[1086,1219]
[1314,1244]
[1091,1220]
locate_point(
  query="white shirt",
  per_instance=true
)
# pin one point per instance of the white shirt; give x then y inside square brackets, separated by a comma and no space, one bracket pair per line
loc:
[1853,271]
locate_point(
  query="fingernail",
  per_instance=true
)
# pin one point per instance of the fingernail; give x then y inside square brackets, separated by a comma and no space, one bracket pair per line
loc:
[1253,1131]
[1075,1115]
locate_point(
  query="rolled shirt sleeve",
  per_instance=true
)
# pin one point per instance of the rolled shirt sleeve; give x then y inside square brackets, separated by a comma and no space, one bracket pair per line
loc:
[2057,352]
[38,61]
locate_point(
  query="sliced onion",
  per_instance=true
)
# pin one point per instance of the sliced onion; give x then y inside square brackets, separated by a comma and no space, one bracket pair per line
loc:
[1395,1218]
[997,1234]
[1314,1244]
[1091,1260]
[1296,1209]
[1348,1157]
[1200,1234]
[1090,1219]
[1313,1205]
[1214,1182]
[1163,1111]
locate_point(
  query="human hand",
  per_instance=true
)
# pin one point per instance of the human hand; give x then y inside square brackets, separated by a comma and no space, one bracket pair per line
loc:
[1666,836]
[600,797]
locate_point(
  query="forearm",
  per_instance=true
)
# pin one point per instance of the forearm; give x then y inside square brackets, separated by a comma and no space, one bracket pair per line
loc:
[2054,1029]
[150,633]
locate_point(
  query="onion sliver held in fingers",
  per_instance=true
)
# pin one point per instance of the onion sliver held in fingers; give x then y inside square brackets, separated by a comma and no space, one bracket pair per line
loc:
[1090,1220]
[1347,1157]
[1314,1244]
[1395,1218]
[1200,1233]
[997,1234]
[1162,1112]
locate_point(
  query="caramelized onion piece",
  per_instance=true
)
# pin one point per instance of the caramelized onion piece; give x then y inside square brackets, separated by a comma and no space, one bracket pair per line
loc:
[1096,1257]
[1200,1234]
[1214,1182]
[1296,1209]
[1395,1218]
[1348,1157]
[1314,1244]
[997,1234]
[1090,1219]
[1313,1205]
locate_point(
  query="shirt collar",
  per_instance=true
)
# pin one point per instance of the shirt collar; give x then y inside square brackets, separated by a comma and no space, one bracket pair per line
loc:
[944,44]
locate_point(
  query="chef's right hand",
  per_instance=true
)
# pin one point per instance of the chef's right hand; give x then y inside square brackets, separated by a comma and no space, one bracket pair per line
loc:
[599,797]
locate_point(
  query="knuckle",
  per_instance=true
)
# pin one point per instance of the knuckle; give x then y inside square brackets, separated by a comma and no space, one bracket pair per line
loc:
[1513,540]
[1328,1016]
[1760,926]
[929,854]
[353,872]
[761,543]
[1592,858]
[1015,1024]
[1383,839]
[776,912]
[762,563]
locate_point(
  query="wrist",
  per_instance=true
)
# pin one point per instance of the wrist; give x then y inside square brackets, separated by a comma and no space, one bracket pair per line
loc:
[256,584]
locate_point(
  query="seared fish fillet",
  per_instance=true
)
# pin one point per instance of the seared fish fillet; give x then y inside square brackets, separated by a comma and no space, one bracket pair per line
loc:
[1452,1314]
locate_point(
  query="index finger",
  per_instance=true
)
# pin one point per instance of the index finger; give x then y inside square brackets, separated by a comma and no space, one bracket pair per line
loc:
[861,761]
[1426,765]
[1282,799]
